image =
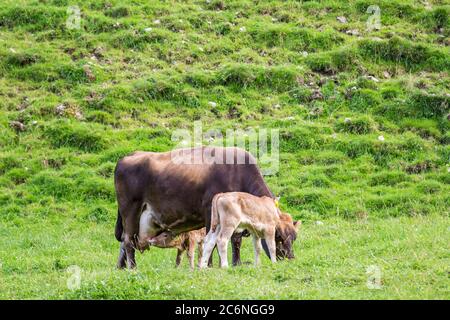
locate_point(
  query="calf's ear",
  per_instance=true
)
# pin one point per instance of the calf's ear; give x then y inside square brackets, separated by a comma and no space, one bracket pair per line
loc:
[297,225]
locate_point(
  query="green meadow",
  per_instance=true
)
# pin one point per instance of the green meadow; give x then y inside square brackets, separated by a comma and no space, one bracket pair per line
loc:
[361,106]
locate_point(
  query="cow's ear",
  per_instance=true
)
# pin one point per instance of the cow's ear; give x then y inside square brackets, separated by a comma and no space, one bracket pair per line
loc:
[297,225]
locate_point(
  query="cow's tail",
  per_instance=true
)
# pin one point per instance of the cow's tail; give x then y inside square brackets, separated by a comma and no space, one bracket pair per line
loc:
[119,227]
[214,213]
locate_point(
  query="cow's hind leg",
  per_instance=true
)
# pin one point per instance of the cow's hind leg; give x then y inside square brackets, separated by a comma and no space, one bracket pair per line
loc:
[131,215]
[236,242]
[122,261]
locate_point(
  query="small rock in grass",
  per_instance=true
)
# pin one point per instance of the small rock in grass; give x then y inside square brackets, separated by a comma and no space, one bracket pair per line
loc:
[319,223]
[99,52]
[317,95]
[212,104]
[60,109]
[24,104]
[157,21]
[88,72]
[18,126]
[242,29]
[380,138]
[300,80]
[304,54]
[347,120]
[373,78]
[386,75]
[427,5]
[148,29]
[353,32]
[78,115]
[342,19]
[316,111]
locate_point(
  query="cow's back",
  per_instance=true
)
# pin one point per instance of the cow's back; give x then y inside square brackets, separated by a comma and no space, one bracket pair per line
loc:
[181,191]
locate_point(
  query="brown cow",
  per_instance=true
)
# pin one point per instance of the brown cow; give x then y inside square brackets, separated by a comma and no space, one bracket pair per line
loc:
[159,192]
[259,215]
[186,241]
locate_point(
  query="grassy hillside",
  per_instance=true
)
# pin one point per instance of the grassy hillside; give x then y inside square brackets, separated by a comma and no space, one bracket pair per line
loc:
[364,139]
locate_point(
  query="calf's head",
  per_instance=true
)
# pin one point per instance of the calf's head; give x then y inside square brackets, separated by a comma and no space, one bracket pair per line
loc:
[164,240]
[286,233]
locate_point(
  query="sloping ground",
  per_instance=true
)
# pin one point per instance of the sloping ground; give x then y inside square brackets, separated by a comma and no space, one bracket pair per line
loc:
[363,118]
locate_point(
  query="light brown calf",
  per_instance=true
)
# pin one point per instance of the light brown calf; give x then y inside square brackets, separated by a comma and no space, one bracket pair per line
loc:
[186,241]
[259,215]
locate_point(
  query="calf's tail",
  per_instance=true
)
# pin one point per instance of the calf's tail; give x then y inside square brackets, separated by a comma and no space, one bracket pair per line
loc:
[119,227]
[214,213]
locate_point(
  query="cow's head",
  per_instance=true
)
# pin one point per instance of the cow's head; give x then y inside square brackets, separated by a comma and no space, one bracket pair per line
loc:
[286,233]
[164,240]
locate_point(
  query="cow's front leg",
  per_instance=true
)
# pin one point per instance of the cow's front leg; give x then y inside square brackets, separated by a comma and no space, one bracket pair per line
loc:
[236,242]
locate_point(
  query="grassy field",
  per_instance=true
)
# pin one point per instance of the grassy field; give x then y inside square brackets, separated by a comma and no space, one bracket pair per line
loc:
[363,116]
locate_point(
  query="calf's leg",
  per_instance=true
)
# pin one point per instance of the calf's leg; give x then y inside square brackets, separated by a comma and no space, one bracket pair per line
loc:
[257,248]
[191,253]
[222,245]
[208,246]
[208,199]
[200,253]
[179,257]
[271,245]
